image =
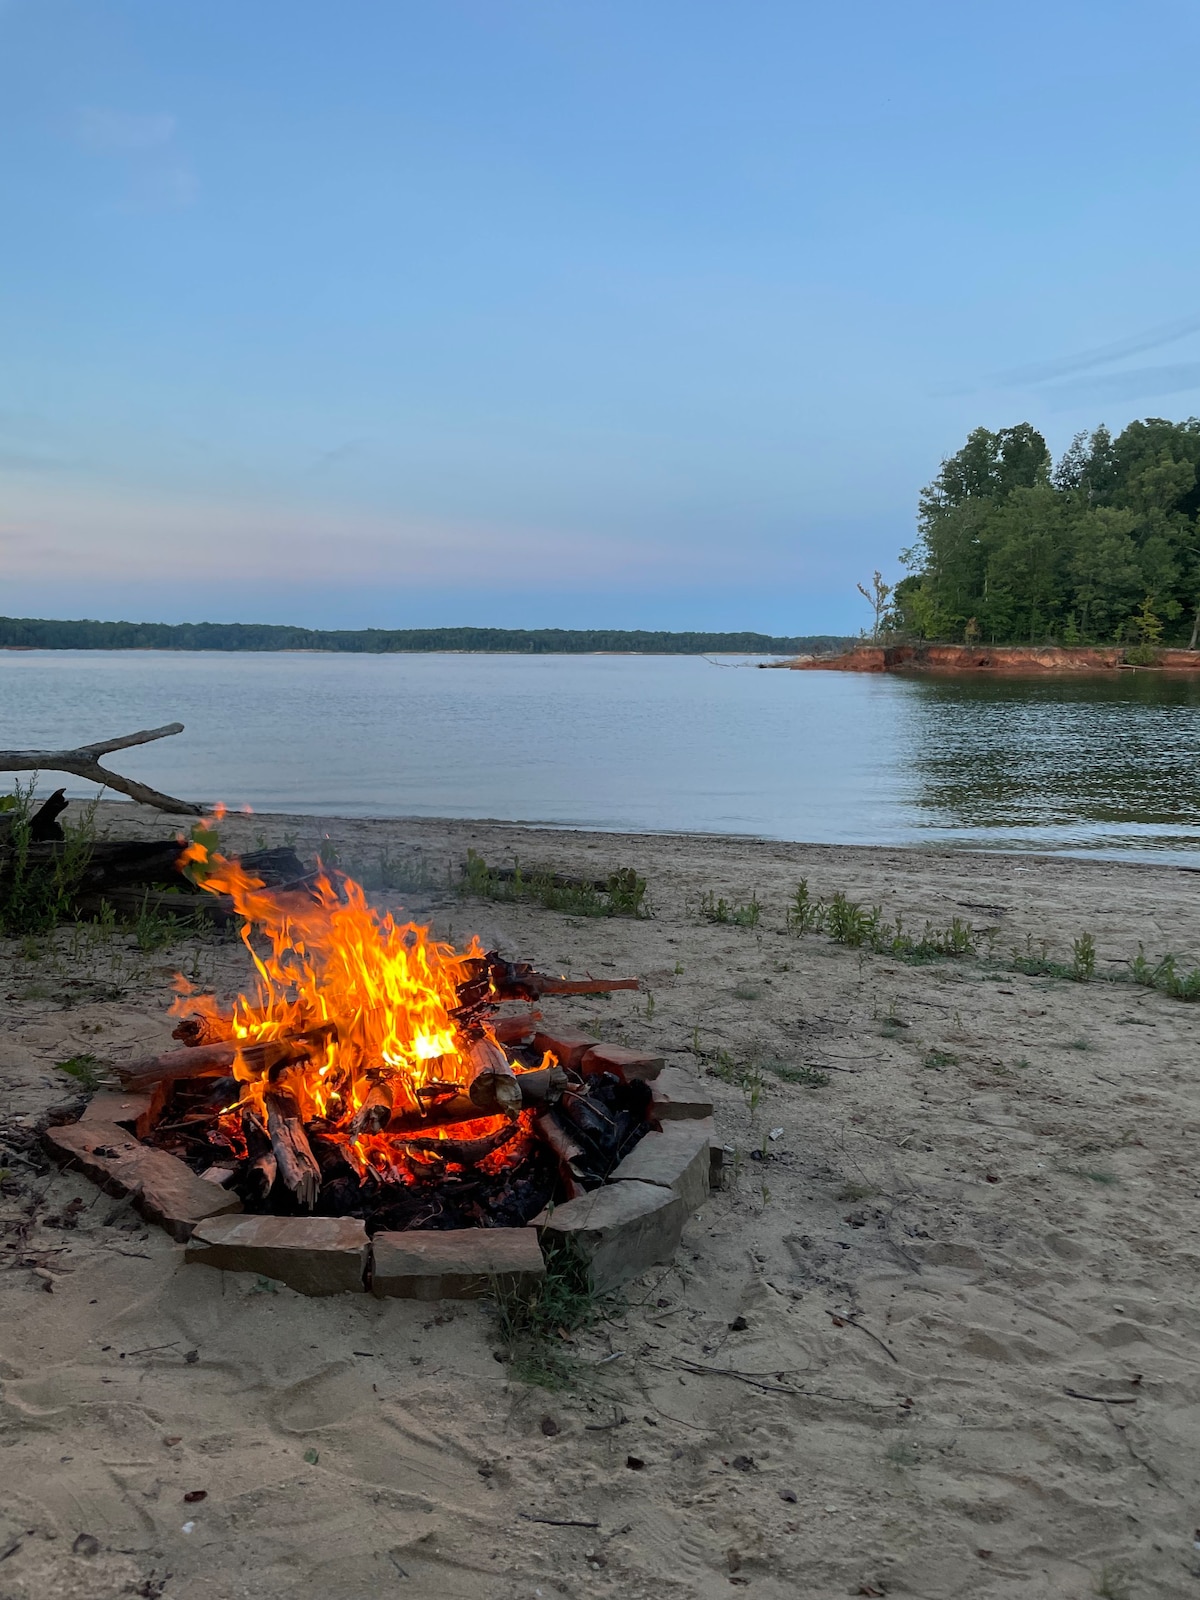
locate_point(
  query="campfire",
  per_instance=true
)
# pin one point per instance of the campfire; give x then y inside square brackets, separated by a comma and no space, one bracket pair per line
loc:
[373,1071]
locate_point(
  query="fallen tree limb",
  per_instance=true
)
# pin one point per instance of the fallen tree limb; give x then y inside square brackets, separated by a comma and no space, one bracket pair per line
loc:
[84,762]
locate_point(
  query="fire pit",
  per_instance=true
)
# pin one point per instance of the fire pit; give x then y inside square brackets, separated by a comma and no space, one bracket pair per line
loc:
[376,1114]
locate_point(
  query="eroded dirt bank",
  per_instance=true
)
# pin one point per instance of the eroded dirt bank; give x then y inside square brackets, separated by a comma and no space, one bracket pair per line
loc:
[937,1337]
[1004,660]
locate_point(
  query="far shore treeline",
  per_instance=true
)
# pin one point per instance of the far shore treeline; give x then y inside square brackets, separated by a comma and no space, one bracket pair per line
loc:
[1103,546]
[36,634]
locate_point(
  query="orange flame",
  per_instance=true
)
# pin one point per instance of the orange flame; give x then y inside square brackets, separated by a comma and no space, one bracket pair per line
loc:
[388,989]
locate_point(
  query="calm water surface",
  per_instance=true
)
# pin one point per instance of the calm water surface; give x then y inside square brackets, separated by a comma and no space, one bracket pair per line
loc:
[643,744]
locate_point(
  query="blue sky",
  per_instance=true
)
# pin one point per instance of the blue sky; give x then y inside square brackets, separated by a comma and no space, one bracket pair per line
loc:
[634,314]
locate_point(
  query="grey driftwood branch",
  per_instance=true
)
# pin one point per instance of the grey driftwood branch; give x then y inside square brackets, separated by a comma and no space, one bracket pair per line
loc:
[84,763]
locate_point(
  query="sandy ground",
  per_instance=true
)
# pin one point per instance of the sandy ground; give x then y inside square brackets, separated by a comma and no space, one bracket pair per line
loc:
[854,1380]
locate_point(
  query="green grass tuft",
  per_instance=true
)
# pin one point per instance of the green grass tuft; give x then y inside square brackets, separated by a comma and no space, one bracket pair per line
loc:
[536,1324]
[87,1070]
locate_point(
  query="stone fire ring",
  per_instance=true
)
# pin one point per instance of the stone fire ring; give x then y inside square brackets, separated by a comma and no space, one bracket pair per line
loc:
[632,1222]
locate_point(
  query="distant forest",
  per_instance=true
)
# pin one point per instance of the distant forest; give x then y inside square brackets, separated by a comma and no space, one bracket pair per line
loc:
[1104,546]
[35,634]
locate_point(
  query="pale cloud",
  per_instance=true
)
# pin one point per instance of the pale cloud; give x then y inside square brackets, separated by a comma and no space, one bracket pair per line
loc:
[50,530]
[100,128]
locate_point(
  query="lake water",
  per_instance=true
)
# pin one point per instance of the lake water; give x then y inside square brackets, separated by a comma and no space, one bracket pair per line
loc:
[643,744]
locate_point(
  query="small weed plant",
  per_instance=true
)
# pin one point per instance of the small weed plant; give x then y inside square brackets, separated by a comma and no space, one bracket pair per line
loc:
[87,1070]
[536,1324]
[38,881]
[739,916]
[622,895]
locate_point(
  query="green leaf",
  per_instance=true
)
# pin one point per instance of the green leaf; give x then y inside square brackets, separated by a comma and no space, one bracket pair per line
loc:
[312,1457]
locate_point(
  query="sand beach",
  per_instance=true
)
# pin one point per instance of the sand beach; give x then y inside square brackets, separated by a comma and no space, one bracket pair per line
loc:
[936,1336]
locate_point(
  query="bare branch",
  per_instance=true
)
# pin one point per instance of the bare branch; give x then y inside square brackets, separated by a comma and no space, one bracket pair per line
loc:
[82,763]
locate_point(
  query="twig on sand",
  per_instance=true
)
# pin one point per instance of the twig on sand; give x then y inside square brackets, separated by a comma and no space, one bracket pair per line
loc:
[1102,1399]
[844,1316]
[757,1381]
[560,1522]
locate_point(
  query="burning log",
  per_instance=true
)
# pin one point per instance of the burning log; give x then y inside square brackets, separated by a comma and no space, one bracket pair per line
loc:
[375,1112]
[466,1152]
[494,1087]
[538,1088]
[296,1163]
[261,1057]
[205,1029]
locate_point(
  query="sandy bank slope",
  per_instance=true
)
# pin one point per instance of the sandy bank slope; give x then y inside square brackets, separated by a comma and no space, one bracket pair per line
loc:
[989,1201]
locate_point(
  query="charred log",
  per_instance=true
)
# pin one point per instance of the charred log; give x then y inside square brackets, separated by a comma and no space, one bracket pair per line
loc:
[296,1163]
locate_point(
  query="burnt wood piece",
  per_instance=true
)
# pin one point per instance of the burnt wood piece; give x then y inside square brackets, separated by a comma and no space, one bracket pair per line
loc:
[536,1088]
[493,980]
[202,1029]
[467,1152]
[276,868]
[517,980]
[568,1149]
[261,1168]
[199,1061]
[297,1165]
[44,824]
[84,762]
[374,1113]
[493,1087]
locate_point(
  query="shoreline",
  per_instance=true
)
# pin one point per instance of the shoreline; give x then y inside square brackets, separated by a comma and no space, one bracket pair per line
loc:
[997,660]
[312,825]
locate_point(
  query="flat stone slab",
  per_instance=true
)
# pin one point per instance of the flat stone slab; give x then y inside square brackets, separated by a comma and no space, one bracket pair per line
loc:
[624,1062]
[115,1105]
[675,1096]
[163,1189]
[679,1158]
[619,1230]
[314,1255]
[460,1264]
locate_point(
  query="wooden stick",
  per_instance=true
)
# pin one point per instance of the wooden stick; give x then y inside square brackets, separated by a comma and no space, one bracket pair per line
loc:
[547,985]
[83,762]
[297,1165]
[494,1085]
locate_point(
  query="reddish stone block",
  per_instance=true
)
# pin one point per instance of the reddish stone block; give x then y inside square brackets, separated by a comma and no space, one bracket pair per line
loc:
[458,1264]
[161,1187]
[569,1048]
[313,1255]
[115,1105]
[624,1062]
